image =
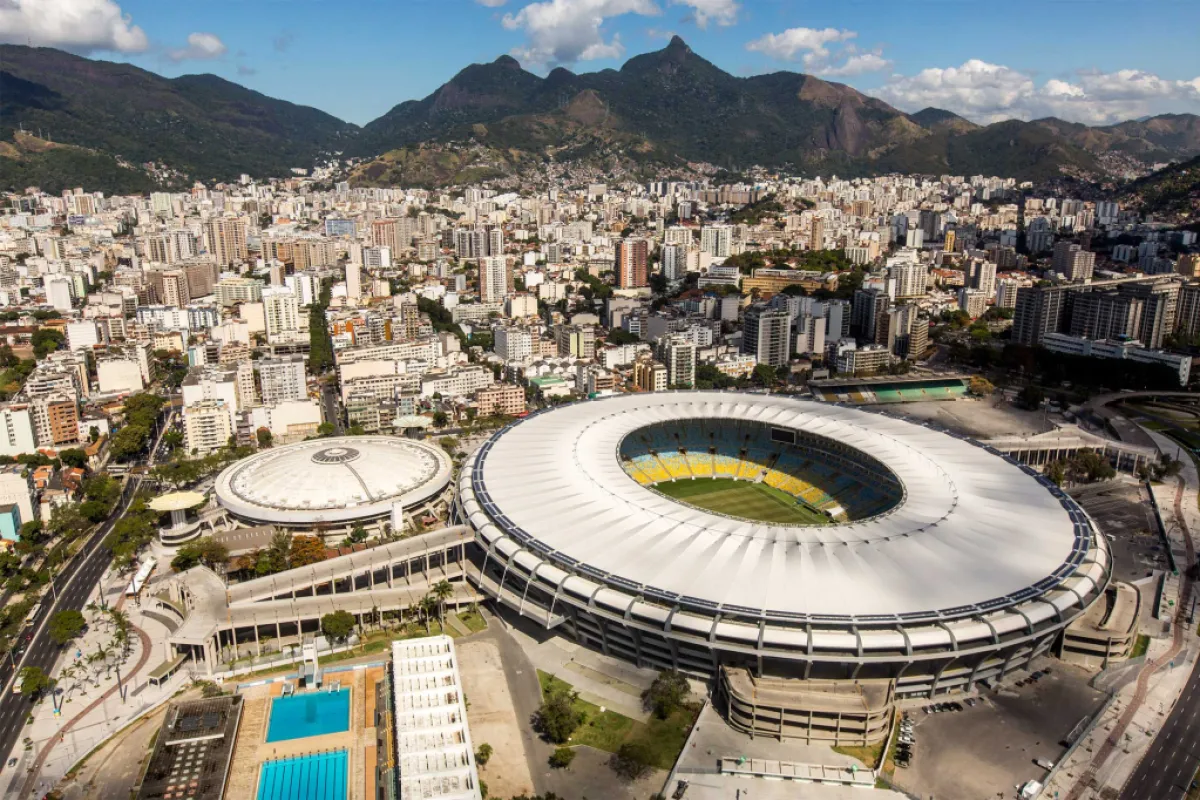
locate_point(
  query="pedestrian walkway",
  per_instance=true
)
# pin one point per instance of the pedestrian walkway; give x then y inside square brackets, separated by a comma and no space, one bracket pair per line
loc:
[93,706]
[1103,763]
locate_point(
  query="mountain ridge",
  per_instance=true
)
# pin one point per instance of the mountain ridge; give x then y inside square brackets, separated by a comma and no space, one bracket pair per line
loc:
[662,107]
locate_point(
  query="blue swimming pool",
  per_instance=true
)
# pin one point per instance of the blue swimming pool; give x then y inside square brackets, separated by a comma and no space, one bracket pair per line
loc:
[309,714]
[321,776]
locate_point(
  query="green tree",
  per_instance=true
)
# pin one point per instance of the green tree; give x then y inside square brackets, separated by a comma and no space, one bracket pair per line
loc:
[337,625]
[65,626]
[264,437]
[1031,398]
[326,429]
[73,457]
[633,760]
[667,694]
[562,757]
[483,754]
[558,717]
[440,419]
[35,681]
[306,550]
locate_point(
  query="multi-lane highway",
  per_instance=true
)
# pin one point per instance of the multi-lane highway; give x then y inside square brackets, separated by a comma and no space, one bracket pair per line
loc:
[1165,772]
[69,590]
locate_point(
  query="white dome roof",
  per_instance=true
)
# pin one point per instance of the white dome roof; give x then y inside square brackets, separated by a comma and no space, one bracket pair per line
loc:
[333,480]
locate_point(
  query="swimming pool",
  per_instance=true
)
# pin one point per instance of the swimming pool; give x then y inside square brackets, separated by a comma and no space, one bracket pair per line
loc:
[321,776]
[309,714]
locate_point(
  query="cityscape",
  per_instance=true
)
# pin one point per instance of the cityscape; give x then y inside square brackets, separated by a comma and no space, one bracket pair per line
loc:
[595,420]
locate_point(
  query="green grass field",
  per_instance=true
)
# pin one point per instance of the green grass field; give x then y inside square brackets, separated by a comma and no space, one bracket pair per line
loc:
[755,501]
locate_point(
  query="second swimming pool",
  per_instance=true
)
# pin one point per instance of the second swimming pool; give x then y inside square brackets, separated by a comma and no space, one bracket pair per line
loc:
[309,714]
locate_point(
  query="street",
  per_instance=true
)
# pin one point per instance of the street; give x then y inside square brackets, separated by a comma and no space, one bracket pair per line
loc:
[1166,770]
[68,591]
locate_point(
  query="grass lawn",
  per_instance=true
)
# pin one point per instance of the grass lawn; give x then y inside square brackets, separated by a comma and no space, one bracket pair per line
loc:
[473,621]
[1140,646]
[608,730]
[744,499]
[868,754]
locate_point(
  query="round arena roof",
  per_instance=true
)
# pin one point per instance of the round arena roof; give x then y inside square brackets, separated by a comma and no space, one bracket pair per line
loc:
[333,480]
[972,532]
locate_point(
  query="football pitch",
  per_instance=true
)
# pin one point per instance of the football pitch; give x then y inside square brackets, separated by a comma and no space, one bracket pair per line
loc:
[755,501]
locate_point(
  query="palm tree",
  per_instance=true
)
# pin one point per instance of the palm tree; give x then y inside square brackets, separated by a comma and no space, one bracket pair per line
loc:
[428,606]
[442,590]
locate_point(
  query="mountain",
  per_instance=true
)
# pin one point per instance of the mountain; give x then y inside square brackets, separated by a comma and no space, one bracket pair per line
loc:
[682,103]
[1170,193]
[201,125]
[1012,148]
[26,160]
[659,113]
[935,119]
[1166,137]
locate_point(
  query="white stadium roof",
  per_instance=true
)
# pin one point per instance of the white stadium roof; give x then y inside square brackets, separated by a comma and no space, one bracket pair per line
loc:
[973,531]
[333,480]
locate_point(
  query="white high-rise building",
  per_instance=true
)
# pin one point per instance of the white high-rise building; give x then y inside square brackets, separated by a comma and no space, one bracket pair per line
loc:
[513,344]
[717,240]
[59,292]
[282,379]
[282,314]
[678,353]
[16,430]
[674,261]
[495,279]
[353,281]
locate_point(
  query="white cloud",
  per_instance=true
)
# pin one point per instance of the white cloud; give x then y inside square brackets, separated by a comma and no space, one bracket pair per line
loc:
[722,12]
[200,47]
[988,93]
[856,63]
[566,31]
[822,51]
[810,43]
[82,26]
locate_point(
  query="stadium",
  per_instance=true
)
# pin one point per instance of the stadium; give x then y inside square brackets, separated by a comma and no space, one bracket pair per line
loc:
[817,561]
[332,485]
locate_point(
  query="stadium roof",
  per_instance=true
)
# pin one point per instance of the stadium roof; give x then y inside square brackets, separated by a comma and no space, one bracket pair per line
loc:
[333,480]
[973,531]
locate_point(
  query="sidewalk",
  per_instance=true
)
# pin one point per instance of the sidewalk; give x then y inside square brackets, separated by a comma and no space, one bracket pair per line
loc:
[1111,752]
[92,708]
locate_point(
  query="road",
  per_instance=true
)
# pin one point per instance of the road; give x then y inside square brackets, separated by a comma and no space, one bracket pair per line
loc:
[72,591]
[1166,770]
[329,407]
[69,590]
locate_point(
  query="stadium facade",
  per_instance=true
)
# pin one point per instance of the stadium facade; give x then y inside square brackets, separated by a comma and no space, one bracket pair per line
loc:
[936,564]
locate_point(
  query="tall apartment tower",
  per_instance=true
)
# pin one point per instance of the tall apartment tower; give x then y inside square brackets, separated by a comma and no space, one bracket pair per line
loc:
[678,353]
[1073,261]
[495,279]
[225,239]
[765,335]
[1038,311]
[632,255]
[817,240]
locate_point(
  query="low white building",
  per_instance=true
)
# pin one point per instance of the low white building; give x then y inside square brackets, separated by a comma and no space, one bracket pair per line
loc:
[1119,349]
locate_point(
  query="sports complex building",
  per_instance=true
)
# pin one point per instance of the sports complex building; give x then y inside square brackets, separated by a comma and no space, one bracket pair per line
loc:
[332,485]
[817,561]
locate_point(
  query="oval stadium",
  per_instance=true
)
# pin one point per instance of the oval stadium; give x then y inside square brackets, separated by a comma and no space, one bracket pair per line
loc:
[334,484]
[817,561]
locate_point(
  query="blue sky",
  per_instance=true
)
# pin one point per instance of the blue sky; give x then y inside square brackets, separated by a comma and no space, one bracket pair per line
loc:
[1092,61]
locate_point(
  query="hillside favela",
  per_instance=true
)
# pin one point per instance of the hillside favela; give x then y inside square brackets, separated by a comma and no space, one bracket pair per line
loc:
[599,400]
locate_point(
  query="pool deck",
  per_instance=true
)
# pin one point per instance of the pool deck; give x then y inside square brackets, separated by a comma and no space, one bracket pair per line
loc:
[252,749]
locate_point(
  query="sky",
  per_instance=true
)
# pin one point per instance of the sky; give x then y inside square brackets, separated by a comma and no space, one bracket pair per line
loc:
[1090,61]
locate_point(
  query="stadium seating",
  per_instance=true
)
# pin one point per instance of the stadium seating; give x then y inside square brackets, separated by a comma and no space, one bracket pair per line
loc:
[744,451]
[701,464]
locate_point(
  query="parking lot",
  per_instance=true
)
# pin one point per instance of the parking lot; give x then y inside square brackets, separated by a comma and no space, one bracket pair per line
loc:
[988,750]
[1122,511]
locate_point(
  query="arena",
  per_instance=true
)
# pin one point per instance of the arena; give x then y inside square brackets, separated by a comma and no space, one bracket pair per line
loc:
[332,485]
[817,561]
